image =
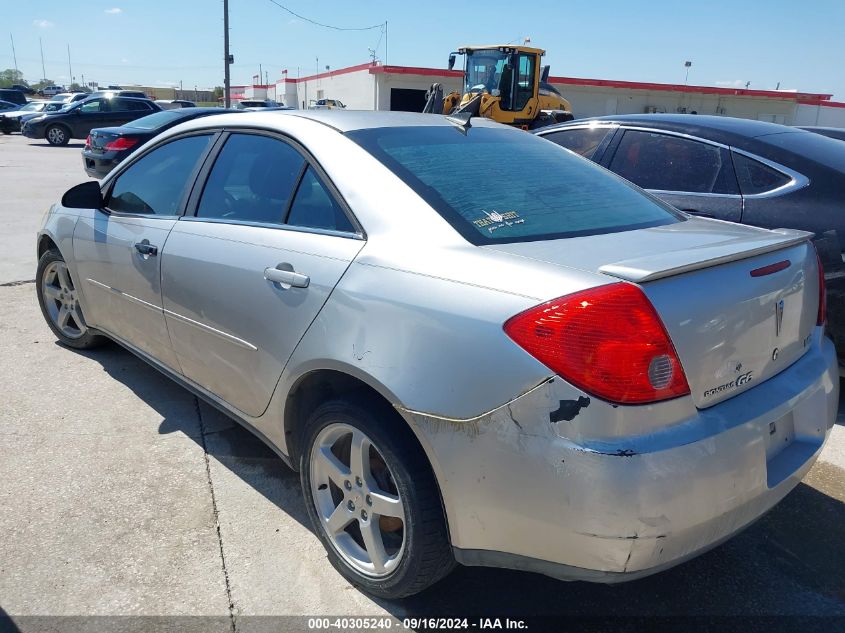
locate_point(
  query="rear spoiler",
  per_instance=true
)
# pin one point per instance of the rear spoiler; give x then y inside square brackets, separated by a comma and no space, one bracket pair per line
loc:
[653,267]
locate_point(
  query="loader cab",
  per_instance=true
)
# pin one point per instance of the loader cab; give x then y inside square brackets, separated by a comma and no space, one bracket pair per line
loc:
[509,73]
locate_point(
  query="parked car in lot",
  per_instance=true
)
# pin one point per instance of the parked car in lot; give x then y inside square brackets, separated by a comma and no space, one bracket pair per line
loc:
[78,119]
[24,89]
[70,97]
[12,96]
[833,132]
[8,106]
[10,120]
[246,104]
[739,170]
[327,104]
[523,363]
[138,94]
[172,104]
[49,91]
[106,147]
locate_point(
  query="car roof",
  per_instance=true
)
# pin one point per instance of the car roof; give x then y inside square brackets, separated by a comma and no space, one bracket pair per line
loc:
[349,120]
[717,128]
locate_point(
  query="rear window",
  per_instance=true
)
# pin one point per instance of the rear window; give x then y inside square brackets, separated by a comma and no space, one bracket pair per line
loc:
[498,185]
[153,121]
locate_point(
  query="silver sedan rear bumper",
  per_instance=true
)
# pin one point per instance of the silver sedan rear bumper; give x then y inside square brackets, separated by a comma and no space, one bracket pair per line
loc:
[523,492]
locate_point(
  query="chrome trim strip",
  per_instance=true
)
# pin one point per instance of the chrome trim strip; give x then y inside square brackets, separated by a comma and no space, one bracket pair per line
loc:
[279,227]
[658,192]
[583,126]
[207,328]
[124,295]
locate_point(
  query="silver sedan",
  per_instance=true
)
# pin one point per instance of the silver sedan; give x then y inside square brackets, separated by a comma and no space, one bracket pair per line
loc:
[473,344]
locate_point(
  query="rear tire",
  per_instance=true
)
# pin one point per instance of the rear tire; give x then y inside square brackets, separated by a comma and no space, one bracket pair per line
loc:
[59,302]
[347,507]
[57,135]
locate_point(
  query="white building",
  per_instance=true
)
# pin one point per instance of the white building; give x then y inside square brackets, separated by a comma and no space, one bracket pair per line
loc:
[377,87]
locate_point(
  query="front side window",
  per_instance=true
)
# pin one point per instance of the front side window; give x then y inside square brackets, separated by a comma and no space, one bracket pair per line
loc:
[156,183]
[503,185]
[583,141]
[252,180]
[94,106]
[670,163]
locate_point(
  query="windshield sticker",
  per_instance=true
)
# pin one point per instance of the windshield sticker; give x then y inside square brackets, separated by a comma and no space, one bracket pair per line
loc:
[496,220]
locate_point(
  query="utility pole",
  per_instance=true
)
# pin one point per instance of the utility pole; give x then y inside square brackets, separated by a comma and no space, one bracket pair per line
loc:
[43,72]
[14,56]
[385,42]
[69,67]
[226,57]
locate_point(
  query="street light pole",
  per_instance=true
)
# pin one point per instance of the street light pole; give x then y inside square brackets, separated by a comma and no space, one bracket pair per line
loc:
[14,56]
[686,78]
[69,67]
[43,72]
[226,88]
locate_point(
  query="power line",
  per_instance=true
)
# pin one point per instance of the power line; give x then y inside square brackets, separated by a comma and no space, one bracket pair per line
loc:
[326,26]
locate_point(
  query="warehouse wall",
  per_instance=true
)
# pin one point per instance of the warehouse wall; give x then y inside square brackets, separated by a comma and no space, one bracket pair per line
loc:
[824,116]
[590,101]
[354,89]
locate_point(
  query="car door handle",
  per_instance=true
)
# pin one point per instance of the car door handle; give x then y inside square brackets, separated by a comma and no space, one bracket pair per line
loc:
[285,275]
[145,248]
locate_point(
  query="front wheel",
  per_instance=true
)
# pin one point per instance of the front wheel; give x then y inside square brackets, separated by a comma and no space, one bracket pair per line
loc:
[373,500]
[59,302]
[57,135]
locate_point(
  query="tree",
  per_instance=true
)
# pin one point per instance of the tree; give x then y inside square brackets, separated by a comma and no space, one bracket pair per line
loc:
[218,92]
[75,87]
[41,84]
[11,76]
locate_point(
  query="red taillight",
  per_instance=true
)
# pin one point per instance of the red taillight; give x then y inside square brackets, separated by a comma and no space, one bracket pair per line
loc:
[608,341]
[88,141]
[120,143]
[821,317]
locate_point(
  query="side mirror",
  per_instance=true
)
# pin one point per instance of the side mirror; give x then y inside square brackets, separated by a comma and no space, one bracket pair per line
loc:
[84,196]
[451,61]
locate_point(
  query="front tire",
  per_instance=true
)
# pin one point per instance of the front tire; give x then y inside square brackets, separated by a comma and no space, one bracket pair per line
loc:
[372,499]
[57,135]
[59,302]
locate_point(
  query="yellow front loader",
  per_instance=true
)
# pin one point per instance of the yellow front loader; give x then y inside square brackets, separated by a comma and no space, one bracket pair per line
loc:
[503,83]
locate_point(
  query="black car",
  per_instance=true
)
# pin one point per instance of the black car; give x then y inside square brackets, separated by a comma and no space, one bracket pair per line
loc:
[832,132]
[14,96]
[739,170]
[106,147]
[24,89]
[78,119]
[8,106]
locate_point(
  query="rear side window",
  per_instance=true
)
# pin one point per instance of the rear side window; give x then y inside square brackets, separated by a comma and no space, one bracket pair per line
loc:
[252,180]
[127,105]
[583,141]
[315,207]
[755,177]
[155,184]
[671,163]
[502,185]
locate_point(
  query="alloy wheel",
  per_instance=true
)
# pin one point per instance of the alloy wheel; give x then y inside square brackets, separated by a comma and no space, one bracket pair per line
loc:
[56,135]
[356,500]
[61,300]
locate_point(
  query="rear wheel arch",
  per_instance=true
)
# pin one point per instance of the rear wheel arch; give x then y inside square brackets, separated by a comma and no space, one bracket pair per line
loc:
[316,386]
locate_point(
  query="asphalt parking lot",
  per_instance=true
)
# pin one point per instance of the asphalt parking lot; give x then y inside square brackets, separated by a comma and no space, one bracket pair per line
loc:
[122,495]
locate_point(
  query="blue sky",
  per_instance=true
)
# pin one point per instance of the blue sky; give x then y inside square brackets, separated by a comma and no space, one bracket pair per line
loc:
[154,42]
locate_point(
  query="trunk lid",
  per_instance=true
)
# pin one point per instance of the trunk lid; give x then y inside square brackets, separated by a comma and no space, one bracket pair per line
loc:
[739,303]
[101,136]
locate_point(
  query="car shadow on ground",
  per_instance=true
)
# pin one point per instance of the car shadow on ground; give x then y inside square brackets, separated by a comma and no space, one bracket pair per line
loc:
[788,563]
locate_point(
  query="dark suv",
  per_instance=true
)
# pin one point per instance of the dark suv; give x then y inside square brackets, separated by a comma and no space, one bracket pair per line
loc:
[14,96]
[77,120]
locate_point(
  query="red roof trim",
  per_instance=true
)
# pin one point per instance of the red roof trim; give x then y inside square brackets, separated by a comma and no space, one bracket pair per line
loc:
[416,70]
[739,92]
[822,102]
[333,73]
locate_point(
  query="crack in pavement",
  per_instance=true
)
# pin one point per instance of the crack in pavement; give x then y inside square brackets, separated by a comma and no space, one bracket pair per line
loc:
[216,515]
